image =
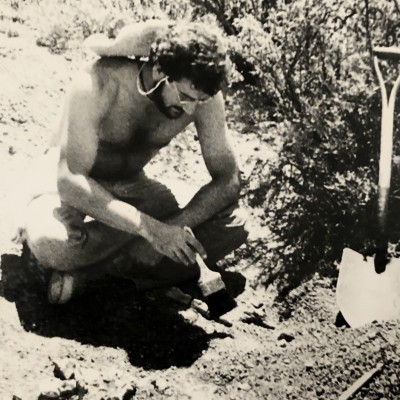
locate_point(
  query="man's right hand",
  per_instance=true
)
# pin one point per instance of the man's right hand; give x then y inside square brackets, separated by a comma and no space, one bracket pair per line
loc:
[179,244]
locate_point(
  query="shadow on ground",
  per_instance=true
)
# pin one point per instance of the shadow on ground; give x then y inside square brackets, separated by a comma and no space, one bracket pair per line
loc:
[150,330]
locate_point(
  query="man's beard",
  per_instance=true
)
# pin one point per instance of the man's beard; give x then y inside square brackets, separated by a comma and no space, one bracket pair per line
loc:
[171,112]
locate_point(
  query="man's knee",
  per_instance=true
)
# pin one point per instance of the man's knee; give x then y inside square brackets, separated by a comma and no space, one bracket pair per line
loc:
[53,246]
[224,233]
[234,221]
[52,253]
[53,239]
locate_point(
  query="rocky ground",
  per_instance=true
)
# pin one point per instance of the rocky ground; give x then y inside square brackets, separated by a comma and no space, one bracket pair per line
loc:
[112,343]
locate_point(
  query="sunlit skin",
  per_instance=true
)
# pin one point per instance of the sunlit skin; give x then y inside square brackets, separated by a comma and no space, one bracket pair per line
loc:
[111,131]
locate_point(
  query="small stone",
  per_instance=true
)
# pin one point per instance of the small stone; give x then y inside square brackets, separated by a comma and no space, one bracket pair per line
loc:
[249,364]
[270,324]
[11,150]
[49,389]
[68,388]
[371,335]
[259,372]
[200,307]
[130,392]
[320,391]
[161,385]
[64,369]
[189,315]
[121,392]
[286,313]
[245,387]
[309,364]
[282,343]
[287,336]
[257,304]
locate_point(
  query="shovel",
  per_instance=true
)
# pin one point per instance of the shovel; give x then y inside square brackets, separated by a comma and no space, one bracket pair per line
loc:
[365,294]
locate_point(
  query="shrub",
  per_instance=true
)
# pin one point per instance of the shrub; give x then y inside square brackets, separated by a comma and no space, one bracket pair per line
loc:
[309,64]
[63,22]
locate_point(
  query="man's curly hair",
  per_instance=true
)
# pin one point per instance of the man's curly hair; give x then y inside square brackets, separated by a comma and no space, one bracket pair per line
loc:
[195,51]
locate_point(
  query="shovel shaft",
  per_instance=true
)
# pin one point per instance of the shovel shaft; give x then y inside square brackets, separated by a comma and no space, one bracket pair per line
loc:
[383,195]
[386,147]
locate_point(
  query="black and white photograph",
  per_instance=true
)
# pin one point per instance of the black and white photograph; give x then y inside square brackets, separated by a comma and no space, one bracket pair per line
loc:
[200,200]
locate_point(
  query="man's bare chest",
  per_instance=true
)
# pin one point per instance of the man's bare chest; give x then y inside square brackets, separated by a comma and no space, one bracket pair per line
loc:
[140,128]
[128,138]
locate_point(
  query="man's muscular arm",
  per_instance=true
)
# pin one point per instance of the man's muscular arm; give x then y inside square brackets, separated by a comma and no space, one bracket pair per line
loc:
[221,163]
[88,102]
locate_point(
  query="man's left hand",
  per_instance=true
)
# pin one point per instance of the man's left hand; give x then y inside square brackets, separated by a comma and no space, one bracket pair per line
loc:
[144,253]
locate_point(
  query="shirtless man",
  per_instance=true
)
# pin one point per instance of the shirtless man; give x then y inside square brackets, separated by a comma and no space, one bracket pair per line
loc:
[105,214]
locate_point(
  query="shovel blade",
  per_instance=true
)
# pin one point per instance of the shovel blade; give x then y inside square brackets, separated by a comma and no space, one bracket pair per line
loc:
[364,296]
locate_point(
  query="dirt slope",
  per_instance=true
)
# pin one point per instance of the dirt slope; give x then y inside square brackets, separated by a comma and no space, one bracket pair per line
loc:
[114,344]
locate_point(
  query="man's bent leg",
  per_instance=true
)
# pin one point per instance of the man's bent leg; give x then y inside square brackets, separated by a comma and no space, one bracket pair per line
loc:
[61,238]
[223,233]
[65,243]
[219,236]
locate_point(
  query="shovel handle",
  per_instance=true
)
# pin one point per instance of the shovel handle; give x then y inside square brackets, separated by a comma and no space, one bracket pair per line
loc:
[387,53]
[386,147]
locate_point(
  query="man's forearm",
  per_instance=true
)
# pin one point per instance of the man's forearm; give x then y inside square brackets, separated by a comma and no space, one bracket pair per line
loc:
[87,195]
[208,201]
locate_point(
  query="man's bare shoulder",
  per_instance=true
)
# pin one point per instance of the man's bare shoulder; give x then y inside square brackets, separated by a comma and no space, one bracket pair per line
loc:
[97,83]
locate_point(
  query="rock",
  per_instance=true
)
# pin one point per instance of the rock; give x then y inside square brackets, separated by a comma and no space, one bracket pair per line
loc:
[189,315]
[286,313]
[259,372]
[124,392]
[245,387]
[309,364]
[201,307]
[257,304]
[89,376]
[394,380]
[64,369]
[49,389]
[55,389]
[371,335]
[68,388]
[256,318]
[287,336]
[282,343]
[270,324]
[161,385]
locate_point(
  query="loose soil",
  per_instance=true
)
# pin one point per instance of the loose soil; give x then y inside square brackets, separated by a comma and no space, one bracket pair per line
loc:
[112,343]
